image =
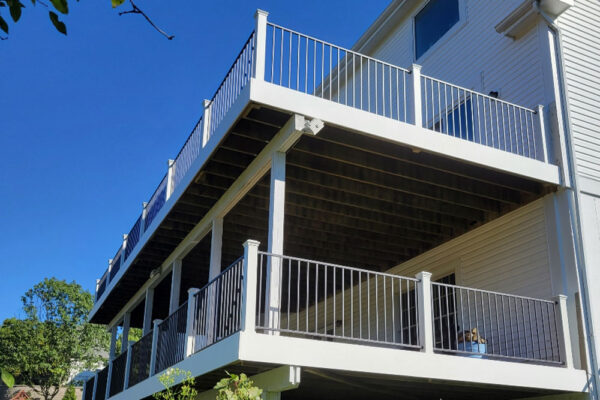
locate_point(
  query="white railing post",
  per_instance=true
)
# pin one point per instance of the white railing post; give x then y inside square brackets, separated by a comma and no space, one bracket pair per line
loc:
[95,386]
[107,279]
[190,335]
[260,51]
[97,286]
[123,247]
[564,336]
[153,353]
[414,103]
[170,174]
[539,125]
[207,106]
[127,366]
[143,221]
[250,271]
[108,380]
[425,318]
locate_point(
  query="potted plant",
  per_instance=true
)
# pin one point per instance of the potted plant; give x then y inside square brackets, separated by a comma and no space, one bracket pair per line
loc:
[472,342]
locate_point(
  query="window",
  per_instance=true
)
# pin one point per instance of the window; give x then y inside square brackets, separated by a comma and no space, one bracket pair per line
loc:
[432,22]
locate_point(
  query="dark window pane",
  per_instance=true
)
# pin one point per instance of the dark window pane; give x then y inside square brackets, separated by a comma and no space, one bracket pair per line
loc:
[432,22]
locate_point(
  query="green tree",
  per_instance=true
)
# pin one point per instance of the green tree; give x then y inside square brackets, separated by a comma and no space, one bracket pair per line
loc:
[15,9]
[70,393]
[237,387]
[184,390]
[43,349]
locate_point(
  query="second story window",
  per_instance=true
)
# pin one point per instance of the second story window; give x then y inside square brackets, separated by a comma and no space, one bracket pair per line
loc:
[432,22]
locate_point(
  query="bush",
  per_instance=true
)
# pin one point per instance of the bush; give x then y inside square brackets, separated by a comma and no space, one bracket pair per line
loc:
[70,393]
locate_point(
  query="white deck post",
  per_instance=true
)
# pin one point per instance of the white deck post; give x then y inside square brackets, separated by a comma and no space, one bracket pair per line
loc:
[275,245]
[564,335]
[125,333]
[85,384]
[148,310]
[123,247]
[143,222]
[153,354]
[539,126]
[113,343]
[108,380]
[107,279]
[95,386]
[175,286]
[414,106]
[425,318]
[190,335]
[260,49]
[127,366]
[170,175]
[250,271]
[216,244]
[207,106]
[97,286]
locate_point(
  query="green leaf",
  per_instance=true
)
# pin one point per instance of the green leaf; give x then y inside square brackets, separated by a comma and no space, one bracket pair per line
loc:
[7,378]
[61,5]
[117,3]
[3,25]
[60,26]
[15,10]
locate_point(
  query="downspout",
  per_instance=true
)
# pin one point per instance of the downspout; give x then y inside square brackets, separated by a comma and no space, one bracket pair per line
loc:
[573,201]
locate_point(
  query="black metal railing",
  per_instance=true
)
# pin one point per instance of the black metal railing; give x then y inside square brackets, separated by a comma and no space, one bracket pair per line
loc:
[88,393]
[101,385]
[117,378]
[141,353]
[170,348]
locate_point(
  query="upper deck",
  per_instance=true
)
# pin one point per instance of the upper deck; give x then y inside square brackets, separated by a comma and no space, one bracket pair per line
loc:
[280,72]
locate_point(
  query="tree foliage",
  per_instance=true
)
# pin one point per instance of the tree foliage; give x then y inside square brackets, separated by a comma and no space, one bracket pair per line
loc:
[183,391]
[70,393]
[54,339]
[237,387]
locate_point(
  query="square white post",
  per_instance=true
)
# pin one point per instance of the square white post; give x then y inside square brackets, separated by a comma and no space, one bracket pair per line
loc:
[539,127]
[95,386]
[275,245]
[175,286]
[113,343]
[125,333]
[260,50]
[216,244]
[564,335]
[206,120]
[85,387]
[123,247]
[414,98]
[190,334]
[97,286]
[143,222]
[425,318]
[148,304]
[127,366]
[107,279]
[170,175]
[250,271]
[153,354]
[108,380]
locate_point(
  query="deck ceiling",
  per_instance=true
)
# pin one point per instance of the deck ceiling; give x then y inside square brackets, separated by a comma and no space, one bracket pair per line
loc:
[350,199]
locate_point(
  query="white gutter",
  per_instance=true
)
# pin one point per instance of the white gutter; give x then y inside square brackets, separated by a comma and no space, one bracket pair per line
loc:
[574,202]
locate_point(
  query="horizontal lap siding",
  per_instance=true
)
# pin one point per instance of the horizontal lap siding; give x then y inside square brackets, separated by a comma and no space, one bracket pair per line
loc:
[581,51]
[509,254]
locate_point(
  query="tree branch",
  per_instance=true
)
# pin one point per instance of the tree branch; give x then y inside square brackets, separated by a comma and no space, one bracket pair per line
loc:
[136,10]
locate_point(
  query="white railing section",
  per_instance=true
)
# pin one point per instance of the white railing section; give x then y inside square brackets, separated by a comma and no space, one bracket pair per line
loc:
[188,153]
[310,298]
[479,118]
[309,65]
[491,324]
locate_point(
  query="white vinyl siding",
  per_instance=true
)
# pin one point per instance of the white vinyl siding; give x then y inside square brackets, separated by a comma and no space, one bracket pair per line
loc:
[509,254]
[581,51]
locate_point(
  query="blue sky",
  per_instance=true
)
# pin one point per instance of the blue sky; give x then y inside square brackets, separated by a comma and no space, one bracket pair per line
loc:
[88,121]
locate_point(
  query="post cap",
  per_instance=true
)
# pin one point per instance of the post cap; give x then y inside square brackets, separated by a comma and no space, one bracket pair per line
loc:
[416,67]
[251,242]
[560,297]
[260,12]
[423,275]
[193,291]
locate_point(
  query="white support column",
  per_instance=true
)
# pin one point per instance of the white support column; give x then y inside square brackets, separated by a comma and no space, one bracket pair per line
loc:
[250,281]
[170,174]
[97,286]
[216,244]
[85,387]
[148,304]
[564,336]
[113,343]
[260,30]
[125,333]
[175,286]
[539,126]
[95,386]
[110,261]
[425,318]
[143,222]
[127,366]
[206,120]
[414,104]
[123,248]
[108,380]
[276,230]
[153,354]
[190,335]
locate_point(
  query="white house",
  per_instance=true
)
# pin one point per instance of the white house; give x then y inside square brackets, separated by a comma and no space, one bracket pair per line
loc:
[415,217]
